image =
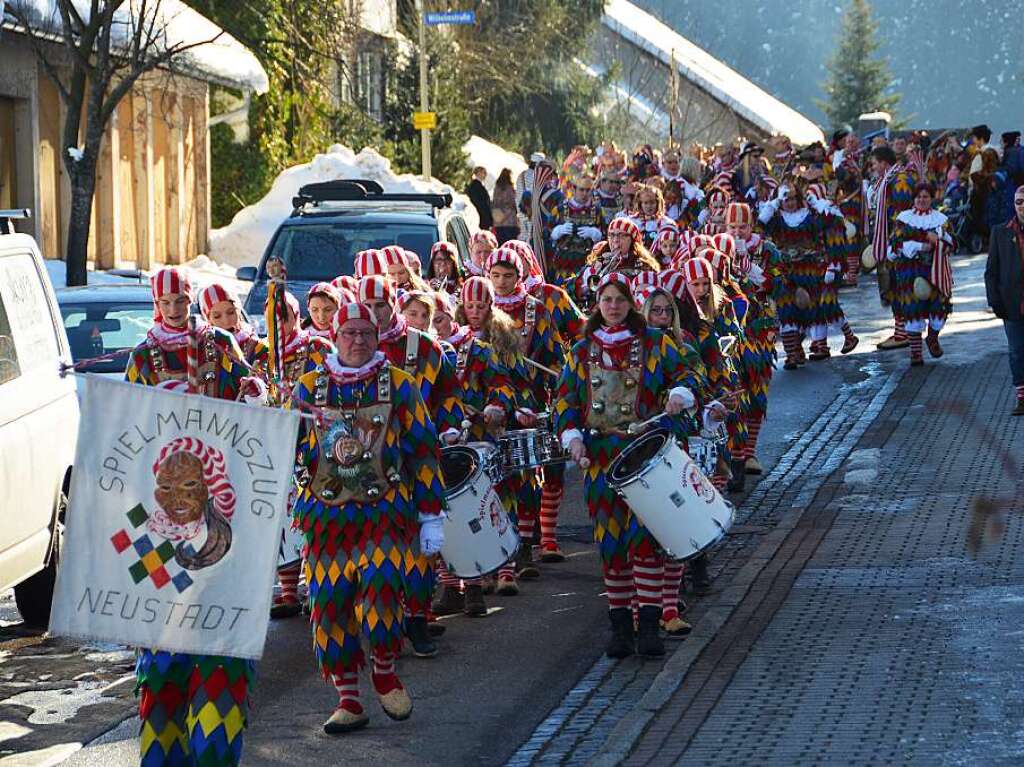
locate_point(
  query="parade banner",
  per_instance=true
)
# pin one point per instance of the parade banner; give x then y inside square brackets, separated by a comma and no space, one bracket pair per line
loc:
[176,510]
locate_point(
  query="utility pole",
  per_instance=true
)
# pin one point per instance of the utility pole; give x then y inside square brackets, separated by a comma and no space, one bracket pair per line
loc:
[673,90]
[424,104]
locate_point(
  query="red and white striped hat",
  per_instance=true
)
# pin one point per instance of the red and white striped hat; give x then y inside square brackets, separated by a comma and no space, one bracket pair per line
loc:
[700,243]
[368,263]
[477,289]
[739,214]
[645,279]
[816,190]
[483,237]
[665,234]
[698,269]
[168,282]
[624,225]
[346,296]
[346,282]
[412,260]
[642,292]
[674,282]
[215,474]
[325,289]
[376,288]
[408,296]
[771,183]
[442,246]
[350,312]
[393,255]
[615,278]
[506,256]
[718,194]
[722,265]
[212,295]
[529,257]
[726,243]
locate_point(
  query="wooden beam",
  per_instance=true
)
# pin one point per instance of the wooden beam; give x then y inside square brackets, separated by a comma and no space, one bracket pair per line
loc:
[142,177]
[202,205]
[175,176]
[188,179]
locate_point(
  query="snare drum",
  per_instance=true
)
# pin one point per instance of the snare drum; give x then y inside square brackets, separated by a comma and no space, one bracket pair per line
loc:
[528,448]
[478,535]
[666,490]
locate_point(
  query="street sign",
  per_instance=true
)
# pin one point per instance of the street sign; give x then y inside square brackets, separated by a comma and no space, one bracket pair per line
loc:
[450,17]
[424,120]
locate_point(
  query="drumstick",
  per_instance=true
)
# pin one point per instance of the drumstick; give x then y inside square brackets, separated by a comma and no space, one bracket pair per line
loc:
[537,365]
[634,428]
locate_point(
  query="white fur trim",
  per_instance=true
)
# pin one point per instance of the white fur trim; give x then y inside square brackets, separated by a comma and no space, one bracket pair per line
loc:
[931,220]
[568,436]
[684,394]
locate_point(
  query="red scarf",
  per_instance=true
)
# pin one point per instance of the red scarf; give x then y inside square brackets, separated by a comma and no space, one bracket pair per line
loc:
[396,329]
[613,336]
[170,339]
[460,334]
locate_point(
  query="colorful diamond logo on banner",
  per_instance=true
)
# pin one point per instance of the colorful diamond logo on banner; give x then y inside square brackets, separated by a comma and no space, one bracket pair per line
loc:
[153,562]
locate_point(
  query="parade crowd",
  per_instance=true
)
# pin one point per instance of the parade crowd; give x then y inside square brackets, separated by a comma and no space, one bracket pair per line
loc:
[644,287]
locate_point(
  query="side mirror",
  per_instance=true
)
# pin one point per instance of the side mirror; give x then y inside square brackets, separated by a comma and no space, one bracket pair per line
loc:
[247,273]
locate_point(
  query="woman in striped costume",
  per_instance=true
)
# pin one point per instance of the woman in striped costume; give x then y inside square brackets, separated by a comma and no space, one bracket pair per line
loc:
[222,309]
[621,372]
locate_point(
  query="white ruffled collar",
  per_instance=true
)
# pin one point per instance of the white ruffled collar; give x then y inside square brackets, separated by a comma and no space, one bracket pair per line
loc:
[170,339]
[794,218]
[343,374]
[933,219]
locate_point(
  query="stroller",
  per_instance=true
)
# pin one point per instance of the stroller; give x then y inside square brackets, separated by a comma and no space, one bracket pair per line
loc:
[956,204]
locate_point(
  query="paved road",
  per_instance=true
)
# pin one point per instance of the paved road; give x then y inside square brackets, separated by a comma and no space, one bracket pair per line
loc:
[528,683]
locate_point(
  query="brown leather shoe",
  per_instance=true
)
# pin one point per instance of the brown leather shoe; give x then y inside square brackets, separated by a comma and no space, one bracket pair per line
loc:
[475,606]
[342,721]
[932,341]
[449,602]
[892,343]
[850,344]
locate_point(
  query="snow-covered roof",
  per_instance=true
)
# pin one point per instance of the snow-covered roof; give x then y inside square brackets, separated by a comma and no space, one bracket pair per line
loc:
[217,57]
[704,70]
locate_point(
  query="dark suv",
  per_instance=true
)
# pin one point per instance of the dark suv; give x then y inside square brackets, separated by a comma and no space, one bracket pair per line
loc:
[334,220]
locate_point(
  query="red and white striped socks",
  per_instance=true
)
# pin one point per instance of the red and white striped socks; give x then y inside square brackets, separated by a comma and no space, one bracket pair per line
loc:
[900,330]
[916,347]
[648,578]
[384,677]
[347,685]
[527,528]
[670,584]
[847,330]
[853,266]
[791,345]
[444,576]
[1020,392]
[619,585]
[289,578]
[550,500]
[753,430]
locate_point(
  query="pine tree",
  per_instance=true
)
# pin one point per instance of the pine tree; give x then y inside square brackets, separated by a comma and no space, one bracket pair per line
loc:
[858,79]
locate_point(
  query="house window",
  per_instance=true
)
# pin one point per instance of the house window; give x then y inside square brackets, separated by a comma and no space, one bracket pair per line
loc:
[369,83]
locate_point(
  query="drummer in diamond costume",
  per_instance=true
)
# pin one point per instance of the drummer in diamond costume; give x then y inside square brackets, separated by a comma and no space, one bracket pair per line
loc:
[487,399]
[193,707]
[539,341]
[420,355]
[222,309]
[577,224]
[621,372]
[375,486]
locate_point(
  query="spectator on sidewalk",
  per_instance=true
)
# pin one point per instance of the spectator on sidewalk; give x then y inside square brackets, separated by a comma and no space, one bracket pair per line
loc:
[1004,286]
[503,208]
[477,193]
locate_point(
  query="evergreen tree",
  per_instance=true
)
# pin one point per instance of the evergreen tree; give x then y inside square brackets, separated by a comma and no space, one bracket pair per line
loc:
[858,79]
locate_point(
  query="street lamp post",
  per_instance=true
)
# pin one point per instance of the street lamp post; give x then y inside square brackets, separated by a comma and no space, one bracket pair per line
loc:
[424,103]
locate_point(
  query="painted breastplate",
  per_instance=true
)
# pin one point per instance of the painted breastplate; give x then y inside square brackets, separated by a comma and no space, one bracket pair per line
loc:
[350,466]
[612,394]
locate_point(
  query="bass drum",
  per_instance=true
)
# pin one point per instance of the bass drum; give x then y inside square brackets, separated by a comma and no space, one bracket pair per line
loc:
[479,537]
[666,490]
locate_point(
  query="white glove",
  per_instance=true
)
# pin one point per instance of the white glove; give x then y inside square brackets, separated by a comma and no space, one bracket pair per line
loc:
[494,415]
[851,230]
[755,274]
[783,192]
[741,247]
[450,436]
[592,233]
[912,247]
[830,277]
[751,193]
[431,533]
[561,231]
[259,398]
[715,412]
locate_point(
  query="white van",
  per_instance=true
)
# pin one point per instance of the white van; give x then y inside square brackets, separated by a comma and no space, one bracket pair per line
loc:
[38,428]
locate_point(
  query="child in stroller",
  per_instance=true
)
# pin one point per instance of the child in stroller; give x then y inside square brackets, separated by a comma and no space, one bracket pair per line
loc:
[956,204]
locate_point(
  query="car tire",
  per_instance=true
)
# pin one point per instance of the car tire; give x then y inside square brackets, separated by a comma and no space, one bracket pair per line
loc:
[977,244]
[34,596]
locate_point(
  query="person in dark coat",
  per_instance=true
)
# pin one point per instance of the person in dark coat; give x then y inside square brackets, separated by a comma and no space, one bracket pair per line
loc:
[477,193]
[1004,286]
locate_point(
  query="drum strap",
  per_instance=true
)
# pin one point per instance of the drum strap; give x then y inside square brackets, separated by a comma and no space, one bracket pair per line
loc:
[529,322]
[412,351]
[461,359]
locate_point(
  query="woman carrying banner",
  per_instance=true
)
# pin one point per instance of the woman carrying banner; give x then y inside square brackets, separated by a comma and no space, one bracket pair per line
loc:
[194,708]
[919,249]
[373,458]
[621,372]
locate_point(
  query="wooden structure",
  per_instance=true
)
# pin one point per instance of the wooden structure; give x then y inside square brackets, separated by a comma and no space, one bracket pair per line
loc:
[152,203]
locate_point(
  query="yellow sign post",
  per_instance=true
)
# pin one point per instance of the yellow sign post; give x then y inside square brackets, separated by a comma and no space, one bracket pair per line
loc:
[424,120]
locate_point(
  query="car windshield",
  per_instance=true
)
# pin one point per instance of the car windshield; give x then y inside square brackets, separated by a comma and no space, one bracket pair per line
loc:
[315,252]
[96,329]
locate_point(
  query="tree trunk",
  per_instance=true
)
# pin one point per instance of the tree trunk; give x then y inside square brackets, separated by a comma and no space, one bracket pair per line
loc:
[83,188]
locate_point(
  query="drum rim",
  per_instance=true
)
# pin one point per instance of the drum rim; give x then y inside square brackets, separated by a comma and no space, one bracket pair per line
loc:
[471,478]
[656,459]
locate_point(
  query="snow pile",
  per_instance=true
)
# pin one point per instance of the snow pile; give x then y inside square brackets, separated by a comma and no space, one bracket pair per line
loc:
[481,152]
[243,241]
[201,271]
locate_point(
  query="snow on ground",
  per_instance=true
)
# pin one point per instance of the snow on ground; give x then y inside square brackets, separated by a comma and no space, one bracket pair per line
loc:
[480,151]
[243,241]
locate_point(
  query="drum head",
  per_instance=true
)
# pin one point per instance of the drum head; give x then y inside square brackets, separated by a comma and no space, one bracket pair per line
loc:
[459,464]
[635,458]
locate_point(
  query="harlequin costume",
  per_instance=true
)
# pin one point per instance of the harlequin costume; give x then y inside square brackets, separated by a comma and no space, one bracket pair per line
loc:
[193,707]
[520,489]
[421,356]
[603,260]
[613,377]
[922,277]
[485,386]
[849,197]
[712,223]
[331,293]
[568,320]
[572,230]
[540,341]
[374,485]
[254,349]
[758,262]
